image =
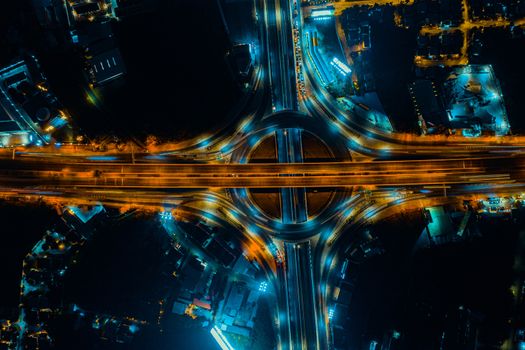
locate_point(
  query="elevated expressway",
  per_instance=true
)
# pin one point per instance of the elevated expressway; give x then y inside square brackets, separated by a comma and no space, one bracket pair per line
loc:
[23,173]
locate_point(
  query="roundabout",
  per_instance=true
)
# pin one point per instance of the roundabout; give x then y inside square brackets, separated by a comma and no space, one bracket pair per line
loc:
[316,144]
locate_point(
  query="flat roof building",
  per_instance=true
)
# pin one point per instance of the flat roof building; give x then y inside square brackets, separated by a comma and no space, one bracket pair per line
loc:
[29,111]
[238,310]
[475,101]
[16,126]
[427,106]
[106,67]
[91,10]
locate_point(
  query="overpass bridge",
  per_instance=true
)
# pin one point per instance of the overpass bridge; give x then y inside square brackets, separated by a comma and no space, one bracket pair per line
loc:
[52,173]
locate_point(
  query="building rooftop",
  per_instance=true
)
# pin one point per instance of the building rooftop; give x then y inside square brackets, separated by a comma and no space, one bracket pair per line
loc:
[15,124]
[106,66]
[91,10]
[427,106]
[475,100]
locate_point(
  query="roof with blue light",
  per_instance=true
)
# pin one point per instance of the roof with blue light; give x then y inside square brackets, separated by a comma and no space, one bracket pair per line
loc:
[475,99]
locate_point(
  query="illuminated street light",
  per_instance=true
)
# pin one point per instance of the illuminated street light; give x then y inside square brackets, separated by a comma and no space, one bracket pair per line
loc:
[263,286]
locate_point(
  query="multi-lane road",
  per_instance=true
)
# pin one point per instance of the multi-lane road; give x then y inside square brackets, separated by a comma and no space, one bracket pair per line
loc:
[301,296]
[22,173]
[280,48]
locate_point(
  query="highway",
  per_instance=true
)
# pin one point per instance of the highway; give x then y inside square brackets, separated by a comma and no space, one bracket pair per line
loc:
[301,296]
[295,279]
[281,61]
[24,173]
